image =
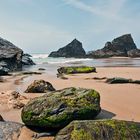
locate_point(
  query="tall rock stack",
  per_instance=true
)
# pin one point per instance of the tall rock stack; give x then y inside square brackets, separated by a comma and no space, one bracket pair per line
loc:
[73,49]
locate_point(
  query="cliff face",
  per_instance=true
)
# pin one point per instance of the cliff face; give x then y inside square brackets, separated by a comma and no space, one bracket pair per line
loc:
[121,46]
[73,49]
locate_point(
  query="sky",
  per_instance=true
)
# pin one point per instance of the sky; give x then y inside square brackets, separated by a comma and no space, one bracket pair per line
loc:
[42,26]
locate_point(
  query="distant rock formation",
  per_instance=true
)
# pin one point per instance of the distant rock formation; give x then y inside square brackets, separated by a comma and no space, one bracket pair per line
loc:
[11,57]
[73,49]
[122,46]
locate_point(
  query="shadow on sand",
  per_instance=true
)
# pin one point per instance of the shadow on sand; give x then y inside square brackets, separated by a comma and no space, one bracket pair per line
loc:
[104,114]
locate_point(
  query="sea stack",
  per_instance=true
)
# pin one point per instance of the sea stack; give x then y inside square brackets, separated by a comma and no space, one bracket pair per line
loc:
[73,49]
[122,46]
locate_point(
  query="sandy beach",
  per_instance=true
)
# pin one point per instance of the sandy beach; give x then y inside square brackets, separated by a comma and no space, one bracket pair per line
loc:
[118,101]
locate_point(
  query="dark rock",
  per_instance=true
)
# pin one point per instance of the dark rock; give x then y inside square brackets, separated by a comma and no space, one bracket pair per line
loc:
[73,49]
[1,118]
[41,69]
[3,71]
[26,60]
[29,73]
[119,80]
[118,47]
[28,55]
[11,57]
[134,53]
[10,130]
[57,109]
[100,130]
[76,69]
[40,86]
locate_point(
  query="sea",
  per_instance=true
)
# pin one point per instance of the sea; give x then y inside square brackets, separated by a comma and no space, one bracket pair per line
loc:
[51,64]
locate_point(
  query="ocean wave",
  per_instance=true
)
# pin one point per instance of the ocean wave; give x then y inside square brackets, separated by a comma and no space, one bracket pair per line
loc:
[39,56]
[68,61]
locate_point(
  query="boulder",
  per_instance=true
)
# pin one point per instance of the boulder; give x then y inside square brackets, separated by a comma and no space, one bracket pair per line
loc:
[57,109]
[10,130]
[76,69]
[120,46]
[40,86]
[73,49]
[100,130]
[26,60]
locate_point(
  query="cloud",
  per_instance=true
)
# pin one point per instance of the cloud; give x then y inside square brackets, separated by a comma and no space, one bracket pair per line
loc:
[108,9]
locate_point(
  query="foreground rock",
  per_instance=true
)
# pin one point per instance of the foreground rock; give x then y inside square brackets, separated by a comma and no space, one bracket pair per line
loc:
[76,69]
[10,130]
[73,49]
[1,118]
[100,130]
[10,57]
[40,86]
[122,46]
[119,80]
[59,108]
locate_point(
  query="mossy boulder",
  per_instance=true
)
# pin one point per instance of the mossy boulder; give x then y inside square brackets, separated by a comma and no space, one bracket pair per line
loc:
[100,130]
[76,69]
[39,86]
[57,109]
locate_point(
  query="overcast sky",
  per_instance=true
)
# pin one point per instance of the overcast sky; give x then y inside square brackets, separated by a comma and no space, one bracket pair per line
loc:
[41,26]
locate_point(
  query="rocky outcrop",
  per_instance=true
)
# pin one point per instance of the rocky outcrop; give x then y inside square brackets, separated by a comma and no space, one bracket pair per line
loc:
[26,60]
[57,109]
[134,53]
[76,69]
[122,46]
[100,130]
[10,130]
[39,86]
[10,57]
[73,49]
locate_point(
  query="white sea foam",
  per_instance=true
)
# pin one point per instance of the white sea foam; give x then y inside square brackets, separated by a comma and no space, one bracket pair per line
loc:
[39,56]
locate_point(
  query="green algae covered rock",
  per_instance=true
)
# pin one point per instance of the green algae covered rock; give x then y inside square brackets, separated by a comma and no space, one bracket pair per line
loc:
[100,130]
[39,86]
[57,109]
[76,69]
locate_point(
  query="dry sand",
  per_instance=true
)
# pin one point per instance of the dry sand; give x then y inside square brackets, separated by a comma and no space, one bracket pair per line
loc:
[118,101]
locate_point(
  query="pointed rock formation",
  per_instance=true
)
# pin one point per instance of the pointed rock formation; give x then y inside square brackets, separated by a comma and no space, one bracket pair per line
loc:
[73,49]
[123,46]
